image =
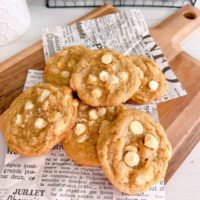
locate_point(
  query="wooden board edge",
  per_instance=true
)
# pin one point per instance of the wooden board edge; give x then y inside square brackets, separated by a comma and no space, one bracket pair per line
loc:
[190,138]
[182,152]
[5,65]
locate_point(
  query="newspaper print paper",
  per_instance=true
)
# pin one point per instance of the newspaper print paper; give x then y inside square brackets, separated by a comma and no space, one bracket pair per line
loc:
[55,177]
[126,32]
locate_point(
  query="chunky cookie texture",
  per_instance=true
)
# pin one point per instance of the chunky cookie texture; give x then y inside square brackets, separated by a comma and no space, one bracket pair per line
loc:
[80,145]
[60,66]
[153,85]
[129,145]
[105,78]
[39,118]
[133,151]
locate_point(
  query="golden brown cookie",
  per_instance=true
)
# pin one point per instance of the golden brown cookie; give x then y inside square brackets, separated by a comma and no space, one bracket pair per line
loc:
[153,84]
[133,151]
[105,78]
[39,118]
[60,66]
[80,145]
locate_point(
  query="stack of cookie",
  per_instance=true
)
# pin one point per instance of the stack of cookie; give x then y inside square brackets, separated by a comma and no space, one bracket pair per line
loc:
[95,129]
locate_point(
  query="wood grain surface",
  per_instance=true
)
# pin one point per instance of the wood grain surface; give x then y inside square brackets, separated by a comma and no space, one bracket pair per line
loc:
[180,117]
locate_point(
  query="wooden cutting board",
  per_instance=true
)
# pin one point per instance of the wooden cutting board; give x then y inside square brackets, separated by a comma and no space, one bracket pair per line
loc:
[180,117]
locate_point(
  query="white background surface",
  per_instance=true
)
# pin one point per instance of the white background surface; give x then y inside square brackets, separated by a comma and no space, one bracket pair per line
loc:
[184,185]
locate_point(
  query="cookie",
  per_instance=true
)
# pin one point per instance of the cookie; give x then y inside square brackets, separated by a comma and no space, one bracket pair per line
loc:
[133,151]
[39,118]
[153,84]
[105,78]
[60,66]
[80,145]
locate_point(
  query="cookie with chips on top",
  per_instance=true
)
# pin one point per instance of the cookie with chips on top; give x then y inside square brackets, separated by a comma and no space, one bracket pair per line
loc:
[133,151]
[39,118]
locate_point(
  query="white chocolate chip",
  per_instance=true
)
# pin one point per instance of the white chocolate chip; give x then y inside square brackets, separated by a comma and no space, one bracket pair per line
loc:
[136,127]
[104,76]
[153,85]
[91,79]
[28,105]
[40,123]
[18,120]
[106,58]
[131,148]
[131,158]
[45,105]
[65,74]
[97,93]
[113,79]
[83,107]
[82,138]
[101,111]
[150,141]
[79,129]
[60,126]
[45,93]
[123,76]
[93,114]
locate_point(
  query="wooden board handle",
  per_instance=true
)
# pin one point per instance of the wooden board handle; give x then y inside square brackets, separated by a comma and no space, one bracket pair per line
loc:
[181,117]
[175,29]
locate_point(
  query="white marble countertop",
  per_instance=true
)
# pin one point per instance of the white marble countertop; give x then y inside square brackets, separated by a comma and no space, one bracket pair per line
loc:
[184,184]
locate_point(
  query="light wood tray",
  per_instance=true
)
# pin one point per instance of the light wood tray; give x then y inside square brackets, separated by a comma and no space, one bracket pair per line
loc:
[180,117]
